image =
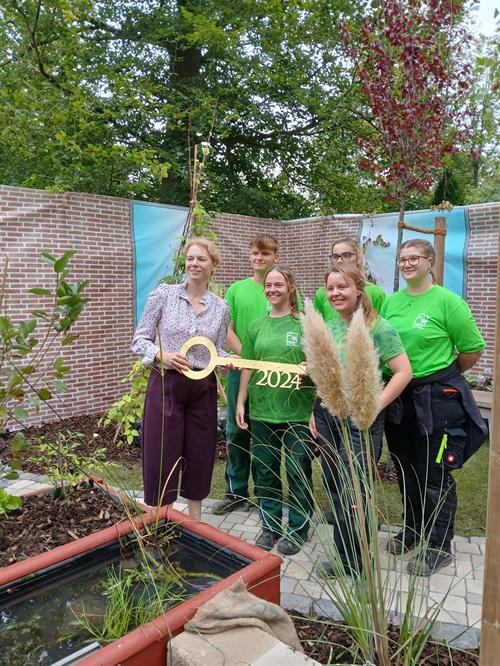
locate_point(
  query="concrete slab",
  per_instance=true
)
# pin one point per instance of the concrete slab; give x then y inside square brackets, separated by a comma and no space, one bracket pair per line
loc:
[249,646]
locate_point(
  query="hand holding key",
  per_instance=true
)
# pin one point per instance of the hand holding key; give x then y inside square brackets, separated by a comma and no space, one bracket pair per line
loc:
[282,375]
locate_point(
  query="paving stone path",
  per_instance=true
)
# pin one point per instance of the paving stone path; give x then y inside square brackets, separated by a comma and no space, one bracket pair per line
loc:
[303,590]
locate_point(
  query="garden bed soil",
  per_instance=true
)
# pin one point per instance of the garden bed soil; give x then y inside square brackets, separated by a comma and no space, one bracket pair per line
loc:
[94,437]
[43,523]
[332,644]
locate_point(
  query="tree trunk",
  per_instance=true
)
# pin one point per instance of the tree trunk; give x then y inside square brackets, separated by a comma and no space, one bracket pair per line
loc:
[399,243]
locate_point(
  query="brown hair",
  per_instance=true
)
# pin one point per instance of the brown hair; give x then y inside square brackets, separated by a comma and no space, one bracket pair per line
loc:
[264,242]
[293,299]
[427,250]
[356,248]
[353,274]
[206,244]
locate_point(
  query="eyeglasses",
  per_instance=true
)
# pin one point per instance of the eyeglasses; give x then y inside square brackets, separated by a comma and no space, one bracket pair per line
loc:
[411,261]
[343,256]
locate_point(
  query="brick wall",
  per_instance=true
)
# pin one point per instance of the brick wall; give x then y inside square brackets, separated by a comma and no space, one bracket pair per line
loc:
[482,277]
[32,221]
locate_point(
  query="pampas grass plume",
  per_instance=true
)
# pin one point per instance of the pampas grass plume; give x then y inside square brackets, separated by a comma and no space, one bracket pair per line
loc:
[363,384]
[323,362]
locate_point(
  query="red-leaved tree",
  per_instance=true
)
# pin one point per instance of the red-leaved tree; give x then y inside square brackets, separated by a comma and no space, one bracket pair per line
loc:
[408,56]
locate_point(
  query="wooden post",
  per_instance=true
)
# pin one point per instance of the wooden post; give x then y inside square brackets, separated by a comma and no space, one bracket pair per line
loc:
[490,624]
[439,238]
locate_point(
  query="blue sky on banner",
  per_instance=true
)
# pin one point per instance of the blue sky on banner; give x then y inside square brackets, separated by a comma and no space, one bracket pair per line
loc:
[379,235]
[156,233]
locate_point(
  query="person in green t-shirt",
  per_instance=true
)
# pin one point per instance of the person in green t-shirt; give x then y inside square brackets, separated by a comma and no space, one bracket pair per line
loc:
[437,425]
[345,285]
[344,251]
[280,405]
[247,302]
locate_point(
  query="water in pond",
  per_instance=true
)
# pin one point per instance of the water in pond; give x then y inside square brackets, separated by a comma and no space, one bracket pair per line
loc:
[37,613]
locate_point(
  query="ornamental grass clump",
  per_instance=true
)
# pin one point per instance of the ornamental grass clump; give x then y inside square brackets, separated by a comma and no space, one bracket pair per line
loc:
[362,382]
[365,592]
[323,362]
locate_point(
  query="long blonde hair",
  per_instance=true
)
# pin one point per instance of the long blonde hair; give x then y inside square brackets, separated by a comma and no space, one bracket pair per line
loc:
[352,273]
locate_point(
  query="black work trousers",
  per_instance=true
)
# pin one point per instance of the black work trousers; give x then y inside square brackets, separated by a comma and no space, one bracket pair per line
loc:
[424,464]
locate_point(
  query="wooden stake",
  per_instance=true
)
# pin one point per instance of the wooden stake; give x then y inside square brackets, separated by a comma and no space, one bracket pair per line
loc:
[440,225]
[490,625]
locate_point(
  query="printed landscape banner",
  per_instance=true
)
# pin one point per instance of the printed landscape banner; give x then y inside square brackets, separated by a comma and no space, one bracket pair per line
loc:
[156,234]
[379,233]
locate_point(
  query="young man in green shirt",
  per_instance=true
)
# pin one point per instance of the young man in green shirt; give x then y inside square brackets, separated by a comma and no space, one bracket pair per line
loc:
[247,303]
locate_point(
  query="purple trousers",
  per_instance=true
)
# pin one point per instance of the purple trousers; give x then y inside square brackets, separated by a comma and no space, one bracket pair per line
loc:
[179,435]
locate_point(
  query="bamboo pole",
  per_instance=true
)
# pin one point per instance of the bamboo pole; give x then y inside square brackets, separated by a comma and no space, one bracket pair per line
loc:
[439,238]
[490,624]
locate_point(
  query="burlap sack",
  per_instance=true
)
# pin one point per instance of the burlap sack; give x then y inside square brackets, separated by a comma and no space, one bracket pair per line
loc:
[236,607]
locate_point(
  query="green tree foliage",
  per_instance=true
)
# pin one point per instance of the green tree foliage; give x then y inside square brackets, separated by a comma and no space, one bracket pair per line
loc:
[449,188]
[101,97]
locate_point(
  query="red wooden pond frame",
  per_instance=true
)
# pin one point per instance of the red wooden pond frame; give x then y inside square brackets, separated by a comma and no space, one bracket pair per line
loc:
[148,644]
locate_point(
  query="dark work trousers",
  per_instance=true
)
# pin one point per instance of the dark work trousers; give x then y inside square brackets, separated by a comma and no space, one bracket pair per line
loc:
[238,462]
[268,441]
[424,464]
[179,435]
[337,475]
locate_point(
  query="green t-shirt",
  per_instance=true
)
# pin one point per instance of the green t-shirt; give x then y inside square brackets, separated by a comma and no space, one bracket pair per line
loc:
[277,339]
[385,338]
[433,326]
[375,293]
[247,303]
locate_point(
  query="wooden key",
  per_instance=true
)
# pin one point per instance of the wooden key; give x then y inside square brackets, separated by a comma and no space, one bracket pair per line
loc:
[273,372]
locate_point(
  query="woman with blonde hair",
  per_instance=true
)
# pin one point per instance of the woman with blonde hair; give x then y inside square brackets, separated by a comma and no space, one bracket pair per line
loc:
[346,289]
[179,432]
[436,425]
[347,251]
[279,415]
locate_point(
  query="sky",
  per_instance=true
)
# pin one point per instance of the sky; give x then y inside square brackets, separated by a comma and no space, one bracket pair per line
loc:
[486,22]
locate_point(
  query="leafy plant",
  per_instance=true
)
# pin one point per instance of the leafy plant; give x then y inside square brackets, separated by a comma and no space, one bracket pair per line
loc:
[8,503]
[64,466]
[127,411]
[29,373]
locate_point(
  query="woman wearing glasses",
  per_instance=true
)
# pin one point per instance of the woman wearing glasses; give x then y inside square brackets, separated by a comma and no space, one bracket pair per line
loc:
[347,250]
[435,425]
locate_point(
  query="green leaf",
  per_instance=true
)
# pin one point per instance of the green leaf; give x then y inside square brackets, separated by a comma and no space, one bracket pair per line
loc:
[11,476]
[49,257]
[20,413]
[40,292]
[60,264]
[60,386]
[68,339]
[19,443]
[44,394]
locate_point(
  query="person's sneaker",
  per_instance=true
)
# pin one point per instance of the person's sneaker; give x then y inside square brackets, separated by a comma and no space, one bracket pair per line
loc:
[402,542]
[433,560]
[287,547]
[326,570]
[228,504]
[266,539]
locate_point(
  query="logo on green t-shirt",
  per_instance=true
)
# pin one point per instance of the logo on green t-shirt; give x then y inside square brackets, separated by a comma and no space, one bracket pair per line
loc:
[292,339]
[421,320]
